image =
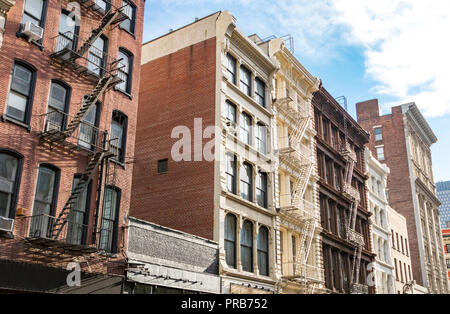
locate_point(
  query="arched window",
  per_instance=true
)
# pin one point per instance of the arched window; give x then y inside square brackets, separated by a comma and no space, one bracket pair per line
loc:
[45,199]
[110,220]
[119,125]
[247,246]
[230,240]
[20,97]
[97,56]
[58,106]
[125,70]
[263,251]
[10,171]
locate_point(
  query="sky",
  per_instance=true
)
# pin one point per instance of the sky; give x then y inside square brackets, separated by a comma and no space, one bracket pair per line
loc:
[394,50]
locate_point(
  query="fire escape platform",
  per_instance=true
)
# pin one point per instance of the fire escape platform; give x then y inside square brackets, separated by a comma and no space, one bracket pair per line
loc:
[62,245]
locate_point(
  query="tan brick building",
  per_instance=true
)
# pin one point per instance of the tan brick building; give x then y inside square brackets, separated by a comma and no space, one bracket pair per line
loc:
[402,141]
[68,100]
[209,74]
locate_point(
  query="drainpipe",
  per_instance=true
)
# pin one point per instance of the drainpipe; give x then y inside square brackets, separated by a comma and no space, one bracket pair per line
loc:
[99,190]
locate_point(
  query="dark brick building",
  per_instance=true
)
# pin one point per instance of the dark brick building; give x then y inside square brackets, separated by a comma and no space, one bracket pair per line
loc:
[343,197]
[68,105]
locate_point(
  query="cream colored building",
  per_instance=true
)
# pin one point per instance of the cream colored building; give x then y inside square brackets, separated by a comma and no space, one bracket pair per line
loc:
[5,5]
[299,255]
[400,250]
[381,230]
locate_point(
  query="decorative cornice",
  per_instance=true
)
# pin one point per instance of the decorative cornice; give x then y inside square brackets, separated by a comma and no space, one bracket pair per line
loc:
[420,123]
[255,53]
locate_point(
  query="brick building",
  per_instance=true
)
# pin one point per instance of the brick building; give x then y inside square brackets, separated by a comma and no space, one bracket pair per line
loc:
[402,141]
[346,235]
[68,100]
[203,77]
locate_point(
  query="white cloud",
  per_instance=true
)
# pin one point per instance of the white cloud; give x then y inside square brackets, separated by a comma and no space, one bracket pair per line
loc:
[405,42]
[406,47]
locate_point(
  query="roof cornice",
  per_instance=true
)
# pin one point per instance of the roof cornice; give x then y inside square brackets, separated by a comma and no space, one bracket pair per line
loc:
[420,123]
[5,5]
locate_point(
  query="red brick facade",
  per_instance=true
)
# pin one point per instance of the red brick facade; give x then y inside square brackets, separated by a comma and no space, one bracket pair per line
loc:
[399,184]
[18,139]
[175,89]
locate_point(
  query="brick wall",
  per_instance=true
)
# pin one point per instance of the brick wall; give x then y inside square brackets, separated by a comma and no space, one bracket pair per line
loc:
[175,89]
[399,184]
[17,138]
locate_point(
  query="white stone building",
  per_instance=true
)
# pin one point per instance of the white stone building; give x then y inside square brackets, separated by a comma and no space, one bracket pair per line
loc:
[381,234]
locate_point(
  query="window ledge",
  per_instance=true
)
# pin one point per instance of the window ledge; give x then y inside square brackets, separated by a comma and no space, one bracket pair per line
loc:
[5,118]
[266,211]
[123,92]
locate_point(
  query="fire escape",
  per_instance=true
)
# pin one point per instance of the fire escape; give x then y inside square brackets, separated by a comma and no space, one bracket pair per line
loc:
[355,238]
[78,134]
[294,208]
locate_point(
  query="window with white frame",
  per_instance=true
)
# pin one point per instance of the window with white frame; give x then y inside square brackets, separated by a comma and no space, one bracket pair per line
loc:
[246,182]
[246,128]
[231,68]
[245,77]
[261,138]
[380,153]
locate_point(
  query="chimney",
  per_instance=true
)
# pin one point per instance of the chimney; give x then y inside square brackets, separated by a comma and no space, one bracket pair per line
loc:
[368,109]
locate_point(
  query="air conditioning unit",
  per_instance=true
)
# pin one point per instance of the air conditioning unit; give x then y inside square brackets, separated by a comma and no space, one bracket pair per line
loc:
[32,31]
[52,126]
[6,224]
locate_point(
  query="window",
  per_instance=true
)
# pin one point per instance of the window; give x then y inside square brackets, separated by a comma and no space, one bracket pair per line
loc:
[79,215]
[261,138]
[163,166]
[403,247]
[44,201]
[97,56]
[110,215]
[34,12]
[396,270]
[447,248]
[10,168]
[247,246]
[231,113]
[245,79]
[58,106]
[119,126]
[21,92]
[231,173]
[246,182]
[129,9]
[378,134]
[337,178]
[261,189]
[260,92]
[125,70]
[68,31]
[263,251]
[380,153]
[246,128]
[231,68]
[88,135]
[230,240]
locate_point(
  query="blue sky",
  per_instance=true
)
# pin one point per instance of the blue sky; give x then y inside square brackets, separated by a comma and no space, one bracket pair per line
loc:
[386,49]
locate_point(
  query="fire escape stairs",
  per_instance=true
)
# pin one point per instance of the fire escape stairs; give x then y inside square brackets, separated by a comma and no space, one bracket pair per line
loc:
[82,184]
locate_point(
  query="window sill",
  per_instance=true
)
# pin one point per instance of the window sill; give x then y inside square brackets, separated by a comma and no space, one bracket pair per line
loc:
[128,32]
[123,92]
[106,254]
[5,118]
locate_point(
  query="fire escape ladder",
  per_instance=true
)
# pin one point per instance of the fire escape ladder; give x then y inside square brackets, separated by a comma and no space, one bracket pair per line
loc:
[302,182]
[110,18]
[103,84]
[86,177]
